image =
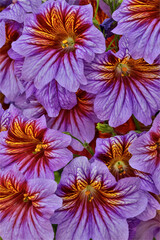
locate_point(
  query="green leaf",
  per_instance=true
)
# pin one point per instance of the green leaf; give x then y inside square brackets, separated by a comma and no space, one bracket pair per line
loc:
[105,128]
[57,176]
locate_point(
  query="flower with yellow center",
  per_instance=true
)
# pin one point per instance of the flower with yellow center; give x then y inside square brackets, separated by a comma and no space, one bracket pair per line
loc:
[60,37]
[94,203]
[37,150]
[123,86]
[25,203]
[139,21]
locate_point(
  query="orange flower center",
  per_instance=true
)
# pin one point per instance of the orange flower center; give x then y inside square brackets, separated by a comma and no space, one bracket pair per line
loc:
[123,68]
[3,129]
[120,167]
[68,43]
[27,198]
[39,147]
[89,192]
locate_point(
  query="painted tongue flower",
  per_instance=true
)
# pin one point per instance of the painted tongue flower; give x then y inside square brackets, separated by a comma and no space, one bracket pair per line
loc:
[56,41]
[11,30]
[123,87]
[103,9]
[26,206]
[149,229]
[37,150]
[115,154]
[94,205]
[79,121]
[146,152]
[54,98]
[139,21]
[17,9]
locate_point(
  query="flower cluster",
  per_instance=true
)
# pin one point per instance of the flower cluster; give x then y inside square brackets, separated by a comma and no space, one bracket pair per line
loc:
[79,120]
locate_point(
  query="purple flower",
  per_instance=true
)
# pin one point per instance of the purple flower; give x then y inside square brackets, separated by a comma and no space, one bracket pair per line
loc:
[79,121]
[26,206]
[94,205]
[5,117]
[54,97]
[151,209]
[139,21]
[30,107]
[102,5]
[106,27]
[114,153]
[4,4]
[17,9]
[146,151]
[37,150]
[149,229]
[56,41]
[133,223]
[123,87]
[10,85]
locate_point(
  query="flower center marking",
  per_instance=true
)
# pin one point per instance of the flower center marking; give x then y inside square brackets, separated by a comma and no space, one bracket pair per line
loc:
[3,129]
[120,167]
[25,198]
[123,68]
[39,147]
[158,144]
[68,43]
[88,192]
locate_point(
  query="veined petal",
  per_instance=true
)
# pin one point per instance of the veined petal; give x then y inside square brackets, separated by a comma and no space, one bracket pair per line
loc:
[9,84]
[139,21]
[54,97]
[24,210]
[92,197]
[115,154]
[50,43]
[79,121]
[16,10]
[146,151]
[33,147]
[123,87]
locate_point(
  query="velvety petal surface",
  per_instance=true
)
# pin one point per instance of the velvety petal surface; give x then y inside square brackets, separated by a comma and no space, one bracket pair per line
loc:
[149,229]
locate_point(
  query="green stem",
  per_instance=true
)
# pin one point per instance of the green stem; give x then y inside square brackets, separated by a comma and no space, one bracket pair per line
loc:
[136,123]
[108,48]
[111,6]
[85,144]
[114,5]
[88,148]
[68,133]
[96,9]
